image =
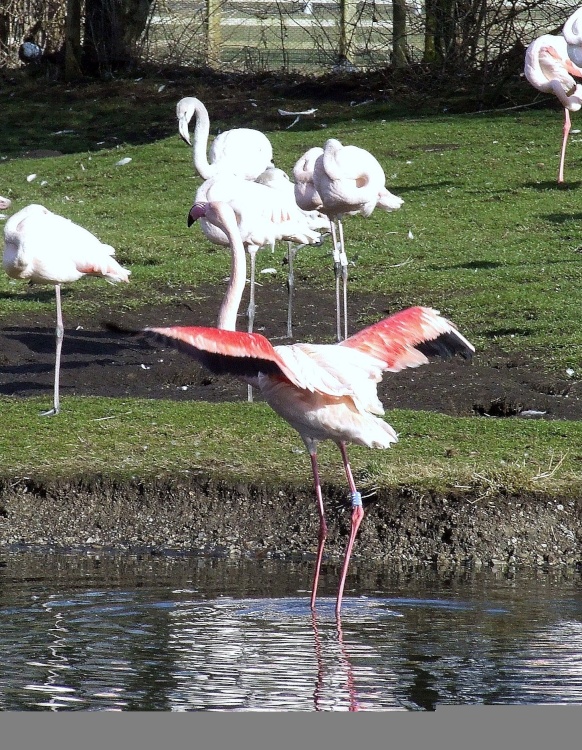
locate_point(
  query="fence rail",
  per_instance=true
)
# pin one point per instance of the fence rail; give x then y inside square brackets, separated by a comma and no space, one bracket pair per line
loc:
[309,36]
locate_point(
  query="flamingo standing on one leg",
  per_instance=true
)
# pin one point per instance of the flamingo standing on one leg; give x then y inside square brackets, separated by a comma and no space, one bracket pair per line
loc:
[549,69]
[243,152]
[326,392]
[46,248]
[341,180]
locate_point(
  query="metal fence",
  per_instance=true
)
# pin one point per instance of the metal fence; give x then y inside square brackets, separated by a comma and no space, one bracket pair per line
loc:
[309,36]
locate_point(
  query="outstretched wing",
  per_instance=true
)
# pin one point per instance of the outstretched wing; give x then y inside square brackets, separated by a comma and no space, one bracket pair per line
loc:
[409,338]
[245,355]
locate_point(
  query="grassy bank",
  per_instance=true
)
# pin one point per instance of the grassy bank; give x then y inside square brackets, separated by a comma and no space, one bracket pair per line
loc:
[485,235]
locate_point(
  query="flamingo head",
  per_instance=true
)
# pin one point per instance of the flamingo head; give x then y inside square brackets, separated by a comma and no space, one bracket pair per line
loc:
[197,211]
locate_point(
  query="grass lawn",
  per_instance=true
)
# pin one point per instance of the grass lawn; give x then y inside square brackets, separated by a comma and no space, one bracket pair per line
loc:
[486,235]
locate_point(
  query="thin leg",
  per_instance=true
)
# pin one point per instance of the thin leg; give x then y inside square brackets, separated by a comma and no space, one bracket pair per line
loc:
[337,273]
[567,126]
[59,333]
[357,516]
[251,308]
[291,251]
[344,266]
[322,525]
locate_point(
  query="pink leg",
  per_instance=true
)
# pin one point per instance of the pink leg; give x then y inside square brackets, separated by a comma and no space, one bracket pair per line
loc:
[357,516]
[322,526]
[59,336]
[567,126]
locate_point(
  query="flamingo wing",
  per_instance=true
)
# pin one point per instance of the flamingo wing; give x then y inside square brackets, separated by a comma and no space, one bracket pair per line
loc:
[409,338]
[223,352]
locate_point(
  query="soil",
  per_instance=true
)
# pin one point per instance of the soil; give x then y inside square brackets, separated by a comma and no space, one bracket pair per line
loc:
[96,362]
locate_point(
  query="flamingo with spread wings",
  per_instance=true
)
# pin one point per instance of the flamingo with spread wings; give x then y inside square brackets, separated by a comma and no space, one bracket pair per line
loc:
[326,392]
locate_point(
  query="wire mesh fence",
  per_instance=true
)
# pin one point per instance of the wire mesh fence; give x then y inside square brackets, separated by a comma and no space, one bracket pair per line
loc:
[309,36]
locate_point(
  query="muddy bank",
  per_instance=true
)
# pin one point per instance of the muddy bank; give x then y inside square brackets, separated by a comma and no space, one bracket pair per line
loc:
[205,516]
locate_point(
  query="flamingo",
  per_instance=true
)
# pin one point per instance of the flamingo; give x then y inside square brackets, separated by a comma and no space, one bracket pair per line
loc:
[243,152]
[277,179]
[572,33]
[264,213]
[341,180]
[46,248]
[549,69]
[4,203]
[325,392]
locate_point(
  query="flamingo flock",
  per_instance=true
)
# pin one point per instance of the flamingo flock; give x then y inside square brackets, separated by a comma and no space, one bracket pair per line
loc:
[246,203]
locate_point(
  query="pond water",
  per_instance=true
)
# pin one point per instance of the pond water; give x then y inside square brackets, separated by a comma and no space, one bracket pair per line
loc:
[142,632]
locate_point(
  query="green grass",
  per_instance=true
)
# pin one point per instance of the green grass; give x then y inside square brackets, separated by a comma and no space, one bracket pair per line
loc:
[495,246]
[233,440]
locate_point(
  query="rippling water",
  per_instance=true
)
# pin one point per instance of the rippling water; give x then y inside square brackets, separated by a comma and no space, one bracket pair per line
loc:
[121,632]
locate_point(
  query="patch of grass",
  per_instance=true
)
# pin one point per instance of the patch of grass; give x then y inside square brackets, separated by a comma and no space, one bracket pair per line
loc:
[248,442]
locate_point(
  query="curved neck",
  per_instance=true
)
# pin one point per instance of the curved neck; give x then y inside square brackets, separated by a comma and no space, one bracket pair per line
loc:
[200,142]
[224,217]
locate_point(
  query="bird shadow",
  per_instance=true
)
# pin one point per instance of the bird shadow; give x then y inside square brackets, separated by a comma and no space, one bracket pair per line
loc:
[473,265]
[77,342]
[553,185]
[558,218]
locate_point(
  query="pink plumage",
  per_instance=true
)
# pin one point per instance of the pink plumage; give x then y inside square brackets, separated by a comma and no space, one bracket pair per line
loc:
[325,391]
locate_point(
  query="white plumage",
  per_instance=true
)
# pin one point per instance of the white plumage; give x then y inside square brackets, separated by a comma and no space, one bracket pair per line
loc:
[243,152]
[45,248]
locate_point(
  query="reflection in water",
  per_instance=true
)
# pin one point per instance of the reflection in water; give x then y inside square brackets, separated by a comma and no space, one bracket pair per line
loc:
[178,633]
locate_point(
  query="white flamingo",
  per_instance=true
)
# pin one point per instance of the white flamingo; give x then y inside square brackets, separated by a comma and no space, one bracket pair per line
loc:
[243,152]
[277,179]
[549,69]
[45,248]
[341,180]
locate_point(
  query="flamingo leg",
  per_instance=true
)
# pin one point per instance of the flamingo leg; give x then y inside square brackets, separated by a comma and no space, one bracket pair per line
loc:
[291,252]
[337,271]
[322,524]
[59,333]
[344,270]
[566,132]
[252,249]
[357,517]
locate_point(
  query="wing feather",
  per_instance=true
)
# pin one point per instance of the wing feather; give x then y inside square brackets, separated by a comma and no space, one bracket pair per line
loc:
[409,338]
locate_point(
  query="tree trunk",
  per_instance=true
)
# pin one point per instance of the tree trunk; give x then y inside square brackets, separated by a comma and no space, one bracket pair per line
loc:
[399,59]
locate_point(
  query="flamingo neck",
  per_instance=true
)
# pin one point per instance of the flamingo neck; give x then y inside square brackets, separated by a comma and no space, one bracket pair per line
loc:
[200,142]
[223,215]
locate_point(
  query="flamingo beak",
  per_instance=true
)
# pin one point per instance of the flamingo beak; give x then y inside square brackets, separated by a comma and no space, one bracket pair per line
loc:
[183,130]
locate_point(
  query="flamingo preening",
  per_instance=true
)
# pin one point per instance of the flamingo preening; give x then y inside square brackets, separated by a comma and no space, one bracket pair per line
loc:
[549,69]
[340,180]
[45,248]
[326,392]
[265,214]
[243,152]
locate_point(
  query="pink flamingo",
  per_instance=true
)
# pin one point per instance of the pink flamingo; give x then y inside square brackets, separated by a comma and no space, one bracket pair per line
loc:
[46,248]
[549,69]
[326,392]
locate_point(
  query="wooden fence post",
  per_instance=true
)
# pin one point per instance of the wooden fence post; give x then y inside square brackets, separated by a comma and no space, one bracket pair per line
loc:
[348,10]
[213,35]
